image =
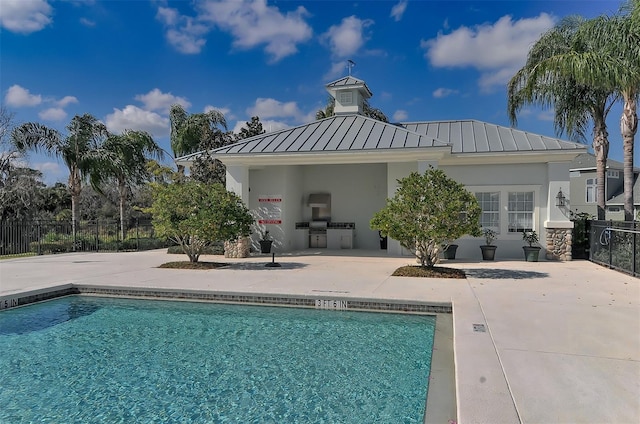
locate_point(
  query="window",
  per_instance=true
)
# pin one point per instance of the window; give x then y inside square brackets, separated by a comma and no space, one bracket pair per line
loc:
[346,98]
[490,204]
[592,192]
[520,208]
[613,174]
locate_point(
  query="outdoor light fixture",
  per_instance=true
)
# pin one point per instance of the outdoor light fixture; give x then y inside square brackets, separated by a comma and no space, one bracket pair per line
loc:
[560,199]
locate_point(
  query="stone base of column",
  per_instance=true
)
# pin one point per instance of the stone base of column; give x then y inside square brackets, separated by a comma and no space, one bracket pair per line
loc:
[559,242]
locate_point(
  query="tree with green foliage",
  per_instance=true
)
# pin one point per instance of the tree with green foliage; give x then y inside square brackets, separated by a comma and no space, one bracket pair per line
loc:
[427,211]
[604,55]
[81,150]
[250,129]
[194,215]
[128,154]
[575,105]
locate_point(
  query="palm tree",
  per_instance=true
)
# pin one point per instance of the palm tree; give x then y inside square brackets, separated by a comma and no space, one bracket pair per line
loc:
[575,105]
[611,64]
[128,154]
[81,150]
[188,132]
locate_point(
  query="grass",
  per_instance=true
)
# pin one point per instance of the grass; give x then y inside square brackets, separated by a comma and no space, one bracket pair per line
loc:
[434,272]
[18,255]
[193,265]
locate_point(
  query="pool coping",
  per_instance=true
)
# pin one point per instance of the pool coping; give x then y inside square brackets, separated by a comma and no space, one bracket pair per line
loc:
[318,301]
[441,392]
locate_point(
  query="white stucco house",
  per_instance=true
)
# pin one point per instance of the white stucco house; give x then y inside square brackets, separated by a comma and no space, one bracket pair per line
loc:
[318,185]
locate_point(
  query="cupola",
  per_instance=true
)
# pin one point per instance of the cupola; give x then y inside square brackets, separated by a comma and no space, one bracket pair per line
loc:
[350,94]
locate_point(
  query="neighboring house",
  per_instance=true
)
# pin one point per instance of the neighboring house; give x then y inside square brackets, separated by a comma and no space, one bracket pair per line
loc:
[584,182]
[318,185]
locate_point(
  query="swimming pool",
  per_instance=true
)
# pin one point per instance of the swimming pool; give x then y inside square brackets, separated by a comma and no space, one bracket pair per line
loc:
[85,359]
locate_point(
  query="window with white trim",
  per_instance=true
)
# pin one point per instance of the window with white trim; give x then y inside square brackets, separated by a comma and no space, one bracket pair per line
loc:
[592,190]
[346,98]
[613,174]
[490,204]
[520,210]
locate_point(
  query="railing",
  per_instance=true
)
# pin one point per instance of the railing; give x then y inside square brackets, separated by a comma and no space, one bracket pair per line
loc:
[43,237]
[615,244]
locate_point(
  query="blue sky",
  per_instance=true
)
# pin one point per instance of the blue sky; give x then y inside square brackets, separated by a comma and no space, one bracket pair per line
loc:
[127,61]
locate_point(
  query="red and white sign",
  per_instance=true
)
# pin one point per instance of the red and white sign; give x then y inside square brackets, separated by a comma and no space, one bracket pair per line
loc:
[270,210]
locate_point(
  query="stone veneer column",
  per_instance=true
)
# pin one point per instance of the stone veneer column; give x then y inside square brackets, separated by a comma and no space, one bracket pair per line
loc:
[558,243]
[238,248]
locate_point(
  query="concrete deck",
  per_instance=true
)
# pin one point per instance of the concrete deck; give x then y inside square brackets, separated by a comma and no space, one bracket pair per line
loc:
[562,343]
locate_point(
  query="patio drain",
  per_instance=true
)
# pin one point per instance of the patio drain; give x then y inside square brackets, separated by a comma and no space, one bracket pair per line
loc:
[479,328]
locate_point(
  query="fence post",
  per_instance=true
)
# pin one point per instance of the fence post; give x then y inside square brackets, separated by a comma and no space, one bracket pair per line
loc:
[137,235]
[97,235]
[635,241]
[39,237]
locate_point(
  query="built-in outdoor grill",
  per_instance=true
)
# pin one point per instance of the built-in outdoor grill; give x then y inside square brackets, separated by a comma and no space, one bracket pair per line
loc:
[320,204]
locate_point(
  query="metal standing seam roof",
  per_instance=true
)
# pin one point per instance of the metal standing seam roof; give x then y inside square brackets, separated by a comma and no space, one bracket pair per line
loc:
[357,133]
[349,81]
[471,136]
[340,133]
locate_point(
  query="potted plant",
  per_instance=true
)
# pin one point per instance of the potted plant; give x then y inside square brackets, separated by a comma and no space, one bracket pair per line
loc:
[488,249]
[449,250]
[531,252]
[265,242]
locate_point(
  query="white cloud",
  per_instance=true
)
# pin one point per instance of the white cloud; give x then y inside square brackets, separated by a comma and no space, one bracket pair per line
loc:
[18,96]
[158,101]
[134,118]
[400,115]
[345,39]
[253,23]
[546,115]
[497,50]
[66,100]
[272,108]
[53,114]
[398,10]
[183,32]
[25,16]
[228,116]
[88,23]
[444,92]
[52,172]
[337,69]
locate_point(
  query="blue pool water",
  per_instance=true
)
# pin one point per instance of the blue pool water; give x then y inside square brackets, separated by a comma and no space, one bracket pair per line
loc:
[84,359]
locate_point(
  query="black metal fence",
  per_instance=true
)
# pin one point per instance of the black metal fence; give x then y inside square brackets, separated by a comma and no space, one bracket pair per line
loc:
[43,237]
[615,244]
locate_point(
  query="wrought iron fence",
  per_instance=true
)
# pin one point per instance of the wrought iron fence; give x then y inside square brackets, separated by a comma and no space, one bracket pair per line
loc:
[615,244]
[43,237]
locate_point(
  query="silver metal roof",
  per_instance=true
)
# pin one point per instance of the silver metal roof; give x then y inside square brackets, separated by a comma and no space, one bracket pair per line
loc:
[470,136]
[349,81]
[340,133]
[357,133]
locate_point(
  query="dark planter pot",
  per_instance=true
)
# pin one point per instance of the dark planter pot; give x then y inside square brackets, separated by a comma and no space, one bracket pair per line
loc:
[531,253]
[488,252]
[450,251]
[265,246]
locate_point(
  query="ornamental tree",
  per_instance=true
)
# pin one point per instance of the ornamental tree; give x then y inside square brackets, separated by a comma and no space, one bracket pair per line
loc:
[194,215]
[426,212]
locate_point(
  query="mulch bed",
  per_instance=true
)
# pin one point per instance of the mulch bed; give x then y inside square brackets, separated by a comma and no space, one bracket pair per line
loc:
[435,272]
[193,265]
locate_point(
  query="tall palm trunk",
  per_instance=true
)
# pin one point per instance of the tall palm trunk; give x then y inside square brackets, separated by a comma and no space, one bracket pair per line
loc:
[601,149]
[628,128]
[75,187]
[122,194]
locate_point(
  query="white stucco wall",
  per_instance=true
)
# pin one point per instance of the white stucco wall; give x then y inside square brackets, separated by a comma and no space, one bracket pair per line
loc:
[357,191]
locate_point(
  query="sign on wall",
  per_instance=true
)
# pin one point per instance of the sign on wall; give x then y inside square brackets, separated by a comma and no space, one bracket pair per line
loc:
[270,209]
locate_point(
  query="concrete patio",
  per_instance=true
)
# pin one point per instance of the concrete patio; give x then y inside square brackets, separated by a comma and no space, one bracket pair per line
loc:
[562,339]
